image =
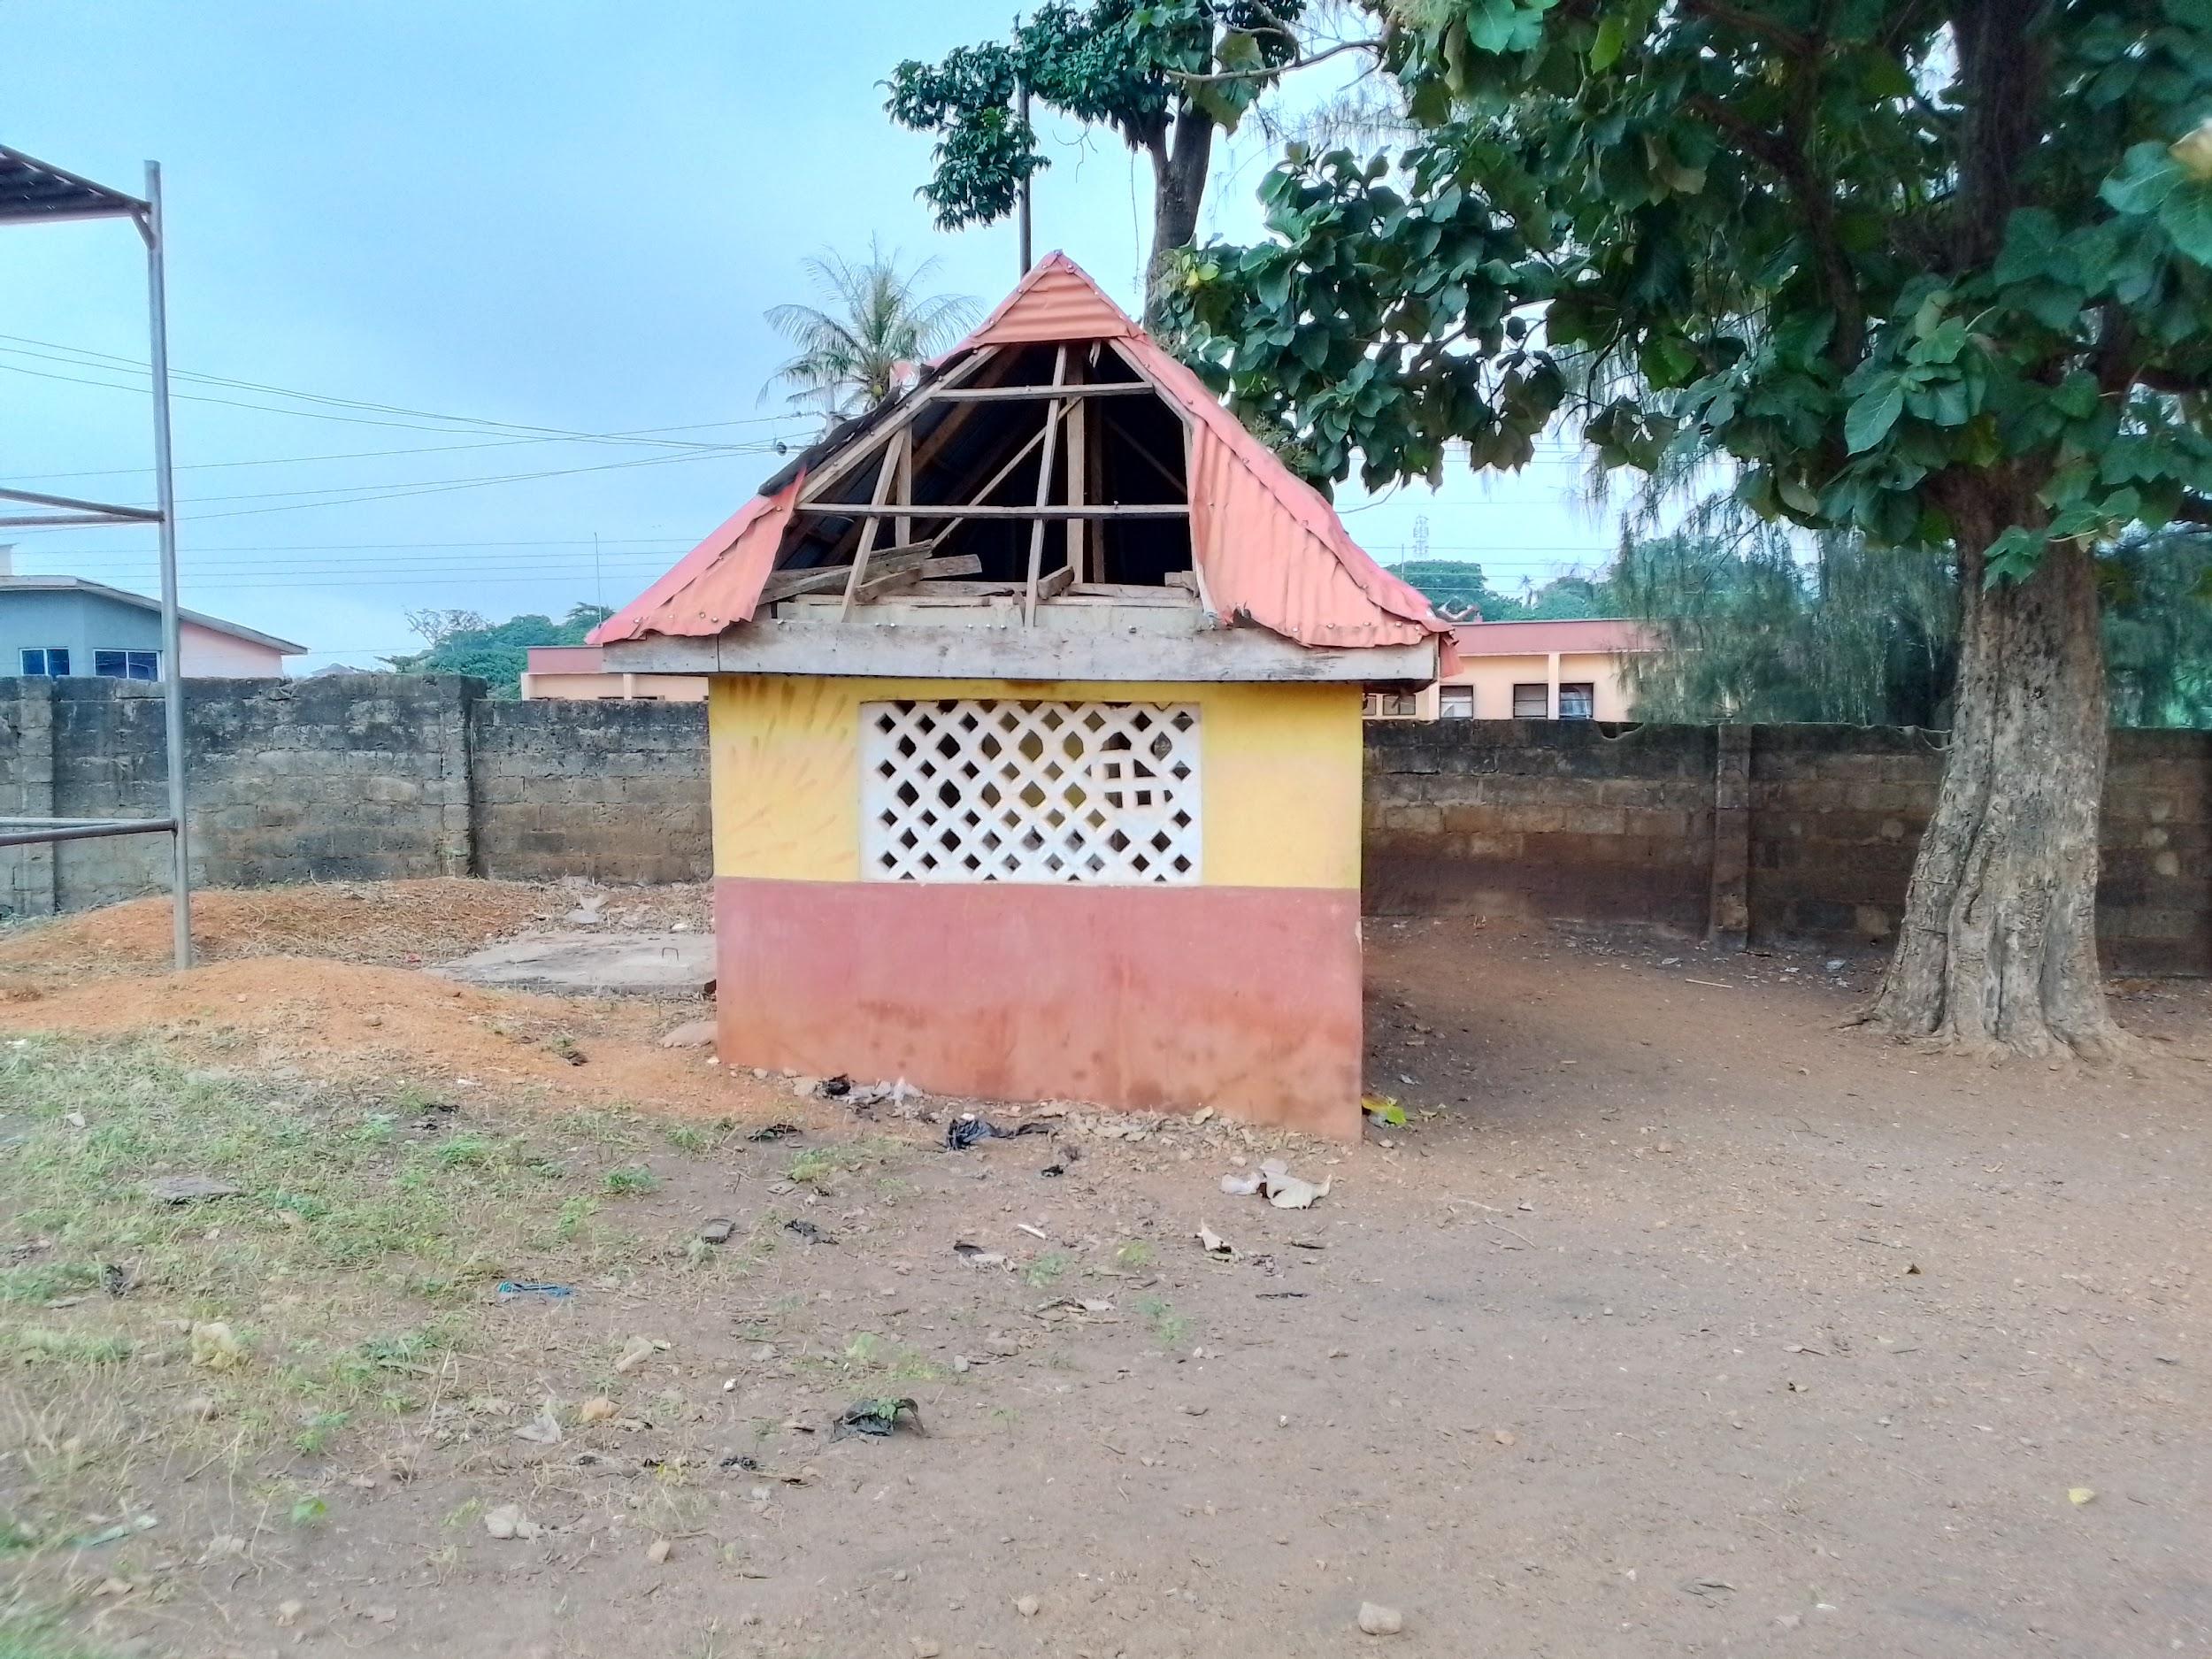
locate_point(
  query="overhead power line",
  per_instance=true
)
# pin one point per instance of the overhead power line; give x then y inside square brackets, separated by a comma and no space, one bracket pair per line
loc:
[114,363]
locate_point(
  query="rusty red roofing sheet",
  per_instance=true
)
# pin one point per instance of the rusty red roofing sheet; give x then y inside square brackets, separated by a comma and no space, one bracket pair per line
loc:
[1271,548]
[715,586]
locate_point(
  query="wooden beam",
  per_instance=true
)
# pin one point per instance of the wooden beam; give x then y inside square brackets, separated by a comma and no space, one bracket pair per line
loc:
[932,511]
[891,582]
[1079,466]
[1059,392]
[1055,582]
[789,583]
[1053,413]
[839,467]
[885,476]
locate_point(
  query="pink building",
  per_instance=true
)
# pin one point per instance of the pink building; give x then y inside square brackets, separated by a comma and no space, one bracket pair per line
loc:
[1527,670]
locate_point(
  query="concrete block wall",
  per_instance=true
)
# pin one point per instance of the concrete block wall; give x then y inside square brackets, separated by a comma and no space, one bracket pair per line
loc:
[1764,832]
[1817,827]
[613,790]
[1540,818]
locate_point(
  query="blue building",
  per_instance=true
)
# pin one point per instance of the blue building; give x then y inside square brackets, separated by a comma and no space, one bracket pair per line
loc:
[55,627]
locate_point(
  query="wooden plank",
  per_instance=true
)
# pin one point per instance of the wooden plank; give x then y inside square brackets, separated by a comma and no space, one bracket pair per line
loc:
[907,576]
[790,584]
[976,509]
[1009,394]
[839,467]
[1044,484]
[886,475]
[1079,469]
[1055,582]
[969,644]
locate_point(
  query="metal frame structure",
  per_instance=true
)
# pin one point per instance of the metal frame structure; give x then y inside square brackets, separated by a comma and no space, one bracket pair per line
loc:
[36,192]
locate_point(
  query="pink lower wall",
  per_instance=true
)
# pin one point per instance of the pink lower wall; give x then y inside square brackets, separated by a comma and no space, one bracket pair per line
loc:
[1243,999]
[210,654]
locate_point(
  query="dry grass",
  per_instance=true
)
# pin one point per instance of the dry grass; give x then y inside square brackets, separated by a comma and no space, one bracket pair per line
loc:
[262,1332]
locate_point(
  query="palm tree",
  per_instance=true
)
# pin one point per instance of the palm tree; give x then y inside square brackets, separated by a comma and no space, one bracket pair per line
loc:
[872,318]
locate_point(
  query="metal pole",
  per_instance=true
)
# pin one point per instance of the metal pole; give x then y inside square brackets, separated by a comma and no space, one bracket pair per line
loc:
[164,484]
[1027,260]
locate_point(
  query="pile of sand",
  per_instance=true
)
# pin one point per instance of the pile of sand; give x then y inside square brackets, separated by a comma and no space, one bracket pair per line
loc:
[401,922]
[378,1026]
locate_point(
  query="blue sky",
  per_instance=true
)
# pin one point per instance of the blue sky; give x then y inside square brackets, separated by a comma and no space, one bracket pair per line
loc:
[554,215]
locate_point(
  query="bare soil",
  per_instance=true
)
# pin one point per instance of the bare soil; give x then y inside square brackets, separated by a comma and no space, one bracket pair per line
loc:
[1680,1319]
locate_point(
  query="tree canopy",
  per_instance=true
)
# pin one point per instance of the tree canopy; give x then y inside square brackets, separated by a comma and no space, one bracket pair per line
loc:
[1836,239]
[464,642]
[1164,75]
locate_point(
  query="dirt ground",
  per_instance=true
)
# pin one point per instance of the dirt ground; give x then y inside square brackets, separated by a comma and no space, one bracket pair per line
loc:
[1680,1319]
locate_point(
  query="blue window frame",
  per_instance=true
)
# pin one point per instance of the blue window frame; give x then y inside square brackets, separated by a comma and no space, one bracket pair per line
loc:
[49,662]
[127,664]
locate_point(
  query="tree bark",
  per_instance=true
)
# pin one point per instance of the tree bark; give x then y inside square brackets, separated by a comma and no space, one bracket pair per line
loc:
[1997,951]
[1179,189]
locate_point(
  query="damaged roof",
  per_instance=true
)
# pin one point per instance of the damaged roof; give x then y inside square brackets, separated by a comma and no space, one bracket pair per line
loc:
[1268,547]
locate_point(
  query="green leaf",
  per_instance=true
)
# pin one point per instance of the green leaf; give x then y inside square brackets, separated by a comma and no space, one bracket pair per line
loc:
[1605,52]
[2186,213]
[2013,556]
[1866,422]
[2148,175]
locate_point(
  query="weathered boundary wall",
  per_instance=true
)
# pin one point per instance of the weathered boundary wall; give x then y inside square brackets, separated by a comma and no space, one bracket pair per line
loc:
[350,777]
[1764,831]
[1769,832]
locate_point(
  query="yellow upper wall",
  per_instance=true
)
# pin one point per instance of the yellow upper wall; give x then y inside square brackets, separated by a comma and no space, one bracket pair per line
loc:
[1280,767]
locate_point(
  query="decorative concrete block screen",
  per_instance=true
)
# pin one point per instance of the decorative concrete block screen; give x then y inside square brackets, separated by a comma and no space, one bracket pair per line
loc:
[1104,793]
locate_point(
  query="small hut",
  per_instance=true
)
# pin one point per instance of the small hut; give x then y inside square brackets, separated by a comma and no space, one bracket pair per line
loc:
[1034,717]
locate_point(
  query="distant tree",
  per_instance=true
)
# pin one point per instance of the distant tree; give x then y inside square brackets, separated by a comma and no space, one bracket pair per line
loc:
[463,642]
[872,318]
[1456,588]
[2158,629]
[1165,75]
[1747,629]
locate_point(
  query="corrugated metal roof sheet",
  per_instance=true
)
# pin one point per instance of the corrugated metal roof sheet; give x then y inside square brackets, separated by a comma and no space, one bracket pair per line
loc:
[715,586]
[1271,549]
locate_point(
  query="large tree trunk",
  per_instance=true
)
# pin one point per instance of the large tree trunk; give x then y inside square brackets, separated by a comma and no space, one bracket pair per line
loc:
[1998,947]
[1179,189]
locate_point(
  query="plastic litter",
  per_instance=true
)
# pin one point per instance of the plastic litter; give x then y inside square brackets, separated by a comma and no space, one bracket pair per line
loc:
[1273,1181]
[963,1132]
[510,1289]
[808,1231]
[876,1418]
[774,1132]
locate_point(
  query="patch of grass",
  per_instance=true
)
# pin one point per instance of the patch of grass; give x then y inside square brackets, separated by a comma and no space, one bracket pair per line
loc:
[343,1227]
[688,1138]
[868,1353]
[632,1180]
[28,1633]
[1171,1327]
[812,1167]
[1135,1254]
[36,1345]
[1047,1270]
[317,1435]
[41,1282]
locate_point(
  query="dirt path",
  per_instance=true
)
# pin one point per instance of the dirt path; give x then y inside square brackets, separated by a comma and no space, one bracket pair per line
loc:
[1687,1322]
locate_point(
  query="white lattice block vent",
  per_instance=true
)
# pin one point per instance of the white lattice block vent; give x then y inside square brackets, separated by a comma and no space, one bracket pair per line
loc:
[1011,791]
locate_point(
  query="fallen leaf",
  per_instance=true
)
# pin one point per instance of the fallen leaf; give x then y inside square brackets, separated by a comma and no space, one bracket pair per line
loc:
[1214,1244]
[2081,1494]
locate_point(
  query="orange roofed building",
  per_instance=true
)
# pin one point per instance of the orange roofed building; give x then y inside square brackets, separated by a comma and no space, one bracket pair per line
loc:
[1033,706]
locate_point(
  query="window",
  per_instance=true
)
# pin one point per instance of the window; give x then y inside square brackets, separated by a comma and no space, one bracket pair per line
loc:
[127,664]
[1455,703]
[1393,705]
[48,663]
[1578,702]
[1531,702]
[1006,791]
